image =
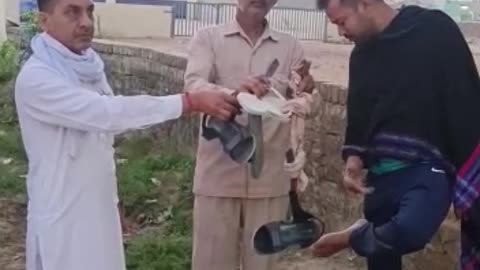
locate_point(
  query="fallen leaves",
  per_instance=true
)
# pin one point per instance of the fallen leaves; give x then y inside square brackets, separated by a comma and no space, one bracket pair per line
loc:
[6,161]
[121,161]
[155,181]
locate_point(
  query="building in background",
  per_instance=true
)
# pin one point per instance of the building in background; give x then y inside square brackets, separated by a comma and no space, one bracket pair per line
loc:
[13,11]
[302,4]
[459,10]
[3,21]
[464,10]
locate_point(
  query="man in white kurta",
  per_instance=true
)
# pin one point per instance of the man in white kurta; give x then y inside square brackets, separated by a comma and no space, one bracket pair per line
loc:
[68,116]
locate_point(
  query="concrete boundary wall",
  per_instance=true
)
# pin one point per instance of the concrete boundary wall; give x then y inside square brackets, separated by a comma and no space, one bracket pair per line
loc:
[133,21]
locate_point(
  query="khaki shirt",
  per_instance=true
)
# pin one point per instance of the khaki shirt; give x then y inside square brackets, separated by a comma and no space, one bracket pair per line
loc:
[223,56]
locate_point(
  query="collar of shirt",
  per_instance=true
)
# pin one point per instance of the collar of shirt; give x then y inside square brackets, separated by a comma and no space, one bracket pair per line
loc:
[234,28]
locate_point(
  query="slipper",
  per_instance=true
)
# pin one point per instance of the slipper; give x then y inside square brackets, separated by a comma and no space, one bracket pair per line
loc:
[268,106]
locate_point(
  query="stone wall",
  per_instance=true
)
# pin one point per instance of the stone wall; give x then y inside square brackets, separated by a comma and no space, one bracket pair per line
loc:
[132,70]
[139,71]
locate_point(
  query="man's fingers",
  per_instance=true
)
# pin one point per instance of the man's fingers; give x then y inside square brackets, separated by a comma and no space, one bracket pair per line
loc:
[358,189]
[327,245]
[259,88]
[246,87]
[252,88]
[304,68]
[231,100]
[355,186]
[232,109]
[264,80]
[307,66]
[302,86]
[260,85]
[223,114]
[318,251]
[307,84]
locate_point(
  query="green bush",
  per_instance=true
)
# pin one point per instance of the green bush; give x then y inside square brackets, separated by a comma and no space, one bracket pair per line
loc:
[30,22]
[8,61]
[12,155]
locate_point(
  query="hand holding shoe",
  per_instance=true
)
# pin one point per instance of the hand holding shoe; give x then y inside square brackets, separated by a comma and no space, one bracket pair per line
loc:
[211,102]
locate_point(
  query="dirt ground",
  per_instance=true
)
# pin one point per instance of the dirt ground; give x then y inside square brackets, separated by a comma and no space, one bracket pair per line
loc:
[12,237]
[329,60]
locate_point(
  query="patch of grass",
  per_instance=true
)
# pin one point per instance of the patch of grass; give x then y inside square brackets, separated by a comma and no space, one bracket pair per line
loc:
[11,145]
[160,252]
[12,179]
[12,156]
[157,188]
[13,165]
[8,61]
[134,147]
[149,184]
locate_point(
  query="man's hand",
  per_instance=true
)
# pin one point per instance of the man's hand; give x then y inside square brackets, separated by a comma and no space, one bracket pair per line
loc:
[332,243]
[302,80]
[214,103]
[352,176]
[307,84]
[258,86]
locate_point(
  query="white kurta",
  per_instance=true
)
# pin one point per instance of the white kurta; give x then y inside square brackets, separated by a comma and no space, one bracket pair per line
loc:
[67,130]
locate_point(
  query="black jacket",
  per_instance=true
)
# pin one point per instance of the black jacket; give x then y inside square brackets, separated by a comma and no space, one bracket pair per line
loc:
[416,79]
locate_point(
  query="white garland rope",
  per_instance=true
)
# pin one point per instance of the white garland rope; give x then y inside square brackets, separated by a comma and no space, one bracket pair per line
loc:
[295,111]
[299,108]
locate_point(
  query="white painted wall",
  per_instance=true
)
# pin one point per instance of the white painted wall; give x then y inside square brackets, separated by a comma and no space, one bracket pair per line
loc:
[436,4]
[309,4]
[3,21]
[13,10]
[143,21]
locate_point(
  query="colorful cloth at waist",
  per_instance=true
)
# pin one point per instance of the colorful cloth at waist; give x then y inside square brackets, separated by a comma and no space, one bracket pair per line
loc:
[467,191]
[388,165]
[406,149]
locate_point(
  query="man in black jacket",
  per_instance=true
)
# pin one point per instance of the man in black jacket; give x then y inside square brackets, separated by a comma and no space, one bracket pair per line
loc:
[412,122]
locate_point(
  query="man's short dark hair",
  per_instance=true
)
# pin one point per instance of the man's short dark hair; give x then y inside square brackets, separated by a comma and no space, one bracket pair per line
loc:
[323,4]
[45,5]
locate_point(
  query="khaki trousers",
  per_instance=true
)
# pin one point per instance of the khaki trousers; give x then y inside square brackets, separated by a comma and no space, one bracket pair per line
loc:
[223,230]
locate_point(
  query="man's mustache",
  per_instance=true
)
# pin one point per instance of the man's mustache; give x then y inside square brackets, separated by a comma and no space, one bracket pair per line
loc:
[88,32]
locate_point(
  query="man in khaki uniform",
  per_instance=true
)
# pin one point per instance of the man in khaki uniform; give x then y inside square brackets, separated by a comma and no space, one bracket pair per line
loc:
[230,205]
